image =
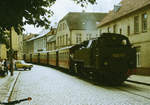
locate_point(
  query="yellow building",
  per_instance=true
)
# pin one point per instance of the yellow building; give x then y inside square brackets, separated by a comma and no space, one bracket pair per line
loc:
[28,44]
[17,44]
[131,18]
[51,40]
[3,51]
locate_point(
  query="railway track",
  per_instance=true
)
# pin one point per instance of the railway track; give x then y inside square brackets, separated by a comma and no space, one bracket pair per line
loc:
[133,93]
[147,84]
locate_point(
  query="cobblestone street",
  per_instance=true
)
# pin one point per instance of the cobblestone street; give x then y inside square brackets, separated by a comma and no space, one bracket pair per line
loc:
[48,86]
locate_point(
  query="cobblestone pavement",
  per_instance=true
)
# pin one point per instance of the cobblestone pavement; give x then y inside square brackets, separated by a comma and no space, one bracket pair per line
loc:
[48,86]
[6,85]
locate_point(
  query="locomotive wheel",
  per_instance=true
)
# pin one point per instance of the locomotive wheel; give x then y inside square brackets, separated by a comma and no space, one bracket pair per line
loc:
[91,76]
[75,68]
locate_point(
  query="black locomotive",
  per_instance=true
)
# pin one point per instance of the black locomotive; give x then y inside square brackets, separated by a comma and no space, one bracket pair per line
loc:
[109,58]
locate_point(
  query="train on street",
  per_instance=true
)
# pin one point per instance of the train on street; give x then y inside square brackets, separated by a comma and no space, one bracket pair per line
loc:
[110,58]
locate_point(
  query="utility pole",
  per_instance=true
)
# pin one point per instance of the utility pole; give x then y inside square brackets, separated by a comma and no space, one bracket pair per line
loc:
[11,54]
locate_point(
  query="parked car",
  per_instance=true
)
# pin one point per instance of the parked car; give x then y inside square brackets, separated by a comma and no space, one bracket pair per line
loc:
[20,64]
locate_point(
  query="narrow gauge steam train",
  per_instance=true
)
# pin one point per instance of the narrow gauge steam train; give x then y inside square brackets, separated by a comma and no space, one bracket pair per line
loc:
[109,58]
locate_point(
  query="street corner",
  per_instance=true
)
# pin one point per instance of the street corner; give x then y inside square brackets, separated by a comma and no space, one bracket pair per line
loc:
[6,86]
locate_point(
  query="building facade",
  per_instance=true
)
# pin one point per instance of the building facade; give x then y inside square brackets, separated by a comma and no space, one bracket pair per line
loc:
[131,18]
[77,27]
[3,51]
[27,44]
[51,40]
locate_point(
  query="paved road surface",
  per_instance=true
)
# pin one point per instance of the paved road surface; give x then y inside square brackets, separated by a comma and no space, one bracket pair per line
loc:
[48,86]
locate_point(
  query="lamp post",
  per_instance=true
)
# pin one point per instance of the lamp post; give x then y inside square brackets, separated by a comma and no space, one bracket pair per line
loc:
[11,54]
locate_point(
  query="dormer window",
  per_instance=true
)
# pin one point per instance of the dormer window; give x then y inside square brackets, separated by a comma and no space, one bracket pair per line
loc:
[117,7]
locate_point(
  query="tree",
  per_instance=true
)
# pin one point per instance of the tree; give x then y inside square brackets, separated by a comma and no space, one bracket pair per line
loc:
[17,13]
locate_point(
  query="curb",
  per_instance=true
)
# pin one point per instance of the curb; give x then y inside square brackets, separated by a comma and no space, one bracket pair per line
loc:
[142,83]
[11,88]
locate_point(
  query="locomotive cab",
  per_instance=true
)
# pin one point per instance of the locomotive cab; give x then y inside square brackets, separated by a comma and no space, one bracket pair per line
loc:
[116,57]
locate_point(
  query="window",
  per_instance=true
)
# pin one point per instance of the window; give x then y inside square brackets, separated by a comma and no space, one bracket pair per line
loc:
[144,22]
[114,28]
[136,24]
[58,41]
[66,39]
[108,29]
[64,26]
[59,27]
[63,39]
[120,31]
[128,30]
[138,63]
[88,36]
[78,38]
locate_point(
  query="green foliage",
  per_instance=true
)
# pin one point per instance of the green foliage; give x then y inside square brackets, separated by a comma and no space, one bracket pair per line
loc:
[18,13]
[83,3]
[3,38]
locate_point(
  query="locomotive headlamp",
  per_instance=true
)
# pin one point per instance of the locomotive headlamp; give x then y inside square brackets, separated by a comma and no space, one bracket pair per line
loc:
[124,42]
[105,63]
[71,55]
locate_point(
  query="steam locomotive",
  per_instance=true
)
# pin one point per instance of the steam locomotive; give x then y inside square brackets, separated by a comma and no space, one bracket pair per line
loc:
[109,58]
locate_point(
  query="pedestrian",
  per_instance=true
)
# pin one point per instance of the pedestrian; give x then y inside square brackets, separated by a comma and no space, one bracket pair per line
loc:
[0,67]
[14,64]
[6,65]
[0,64]
[2,71]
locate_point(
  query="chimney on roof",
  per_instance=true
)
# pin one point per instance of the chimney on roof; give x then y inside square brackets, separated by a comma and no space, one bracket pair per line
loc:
[117,7]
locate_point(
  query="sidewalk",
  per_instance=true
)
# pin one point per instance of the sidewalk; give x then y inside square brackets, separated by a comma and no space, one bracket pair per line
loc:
[139,79]
[6,86]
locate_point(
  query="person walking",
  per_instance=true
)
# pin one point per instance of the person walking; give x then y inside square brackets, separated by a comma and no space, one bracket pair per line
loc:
[6,65]
[2,71]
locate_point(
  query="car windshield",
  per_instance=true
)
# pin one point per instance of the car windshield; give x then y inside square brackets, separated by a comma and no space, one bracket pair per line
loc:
[22,62]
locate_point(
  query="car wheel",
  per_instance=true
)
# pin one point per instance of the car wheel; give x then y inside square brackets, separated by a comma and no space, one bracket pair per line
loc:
[24,68]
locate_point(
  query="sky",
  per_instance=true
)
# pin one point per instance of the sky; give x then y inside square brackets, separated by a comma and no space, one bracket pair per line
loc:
[62,7]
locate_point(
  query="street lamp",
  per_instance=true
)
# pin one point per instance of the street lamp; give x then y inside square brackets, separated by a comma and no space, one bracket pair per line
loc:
[11,53]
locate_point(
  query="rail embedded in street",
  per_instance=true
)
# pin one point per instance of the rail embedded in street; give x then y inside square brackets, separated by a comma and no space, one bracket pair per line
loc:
[16,101]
